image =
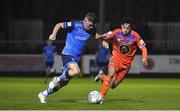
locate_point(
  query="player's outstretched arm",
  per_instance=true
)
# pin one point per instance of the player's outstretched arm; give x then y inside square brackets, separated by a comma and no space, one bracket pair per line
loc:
[55,30]
[105,36]
[99,36]
[144,56]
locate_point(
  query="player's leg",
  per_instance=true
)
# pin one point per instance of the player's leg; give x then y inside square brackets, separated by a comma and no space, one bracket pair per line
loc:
[112,80]
[119,77]
[70,69]
[113,68]
[63,80]
[42,95]
[49,66]
[102,71]
[107,80]
[46,75]
[73,70]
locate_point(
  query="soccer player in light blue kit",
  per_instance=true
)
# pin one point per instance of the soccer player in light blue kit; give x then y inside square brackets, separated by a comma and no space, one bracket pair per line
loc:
[102,57]
[76,40]
[49,50]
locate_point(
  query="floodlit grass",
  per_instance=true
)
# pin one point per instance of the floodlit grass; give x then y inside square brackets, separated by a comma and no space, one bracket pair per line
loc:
[132,94]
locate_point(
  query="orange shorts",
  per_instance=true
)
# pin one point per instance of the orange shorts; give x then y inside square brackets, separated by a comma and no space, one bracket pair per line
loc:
[121,68]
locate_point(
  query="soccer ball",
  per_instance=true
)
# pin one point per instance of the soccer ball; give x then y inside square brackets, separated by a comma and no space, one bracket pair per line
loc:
[94,97]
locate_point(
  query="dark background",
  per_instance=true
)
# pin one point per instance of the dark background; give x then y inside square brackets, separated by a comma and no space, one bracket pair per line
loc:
[147,14]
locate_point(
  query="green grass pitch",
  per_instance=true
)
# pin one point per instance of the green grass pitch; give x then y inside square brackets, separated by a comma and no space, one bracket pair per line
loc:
[132,94]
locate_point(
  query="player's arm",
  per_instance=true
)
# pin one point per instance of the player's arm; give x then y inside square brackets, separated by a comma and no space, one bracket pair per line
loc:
[55,30]
[144,56]
[141,44]
[99,36]
[104,36]
[108,35]
[59,26]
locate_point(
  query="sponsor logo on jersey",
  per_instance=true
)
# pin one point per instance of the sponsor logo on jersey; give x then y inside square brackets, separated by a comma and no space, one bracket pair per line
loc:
[69,24]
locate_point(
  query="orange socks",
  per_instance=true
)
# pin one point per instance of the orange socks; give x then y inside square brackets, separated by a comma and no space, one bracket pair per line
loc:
[105,85]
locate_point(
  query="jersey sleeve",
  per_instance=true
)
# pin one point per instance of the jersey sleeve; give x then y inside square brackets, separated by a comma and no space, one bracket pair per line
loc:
[70,24]
[140,42]
[111,34]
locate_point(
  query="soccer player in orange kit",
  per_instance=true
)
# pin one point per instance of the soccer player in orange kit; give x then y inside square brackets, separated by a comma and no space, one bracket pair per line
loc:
[125,43]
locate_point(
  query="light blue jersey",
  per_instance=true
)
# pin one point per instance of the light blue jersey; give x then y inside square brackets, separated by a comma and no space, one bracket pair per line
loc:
[103,55]
[48,51]
[76,39]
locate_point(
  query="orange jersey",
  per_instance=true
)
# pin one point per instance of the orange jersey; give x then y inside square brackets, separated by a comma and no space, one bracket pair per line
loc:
[124,47]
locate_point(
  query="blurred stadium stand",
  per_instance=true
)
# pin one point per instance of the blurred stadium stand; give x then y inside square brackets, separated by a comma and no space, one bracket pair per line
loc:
[26,37]
[26,24]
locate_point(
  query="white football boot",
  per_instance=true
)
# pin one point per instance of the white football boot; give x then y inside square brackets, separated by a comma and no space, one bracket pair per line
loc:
[53,83]
[97,78]
[42,97]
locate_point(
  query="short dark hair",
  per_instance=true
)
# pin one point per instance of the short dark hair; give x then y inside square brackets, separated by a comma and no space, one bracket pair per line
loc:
[128,20]
[91,17]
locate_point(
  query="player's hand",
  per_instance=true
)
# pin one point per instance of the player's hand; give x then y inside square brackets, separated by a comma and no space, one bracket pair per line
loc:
[105,44]
[145,62]
[148,63]
[52,37]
